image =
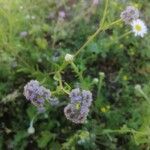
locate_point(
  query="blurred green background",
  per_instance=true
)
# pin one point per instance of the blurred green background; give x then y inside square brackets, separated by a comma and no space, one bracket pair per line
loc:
[34,37]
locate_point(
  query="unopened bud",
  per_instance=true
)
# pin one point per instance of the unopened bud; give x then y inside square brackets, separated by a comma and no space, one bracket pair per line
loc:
[95,80]
[31,130]
[102,74]
[69,57]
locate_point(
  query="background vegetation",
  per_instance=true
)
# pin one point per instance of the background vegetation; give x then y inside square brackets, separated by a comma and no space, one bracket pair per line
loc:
[33,43]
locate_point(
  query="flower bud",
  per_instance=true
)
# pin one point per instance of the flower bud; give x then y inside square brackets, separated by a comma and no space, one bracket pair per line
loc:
[102,74]
[69,57]
[137,87]
[95,80]
[31,130]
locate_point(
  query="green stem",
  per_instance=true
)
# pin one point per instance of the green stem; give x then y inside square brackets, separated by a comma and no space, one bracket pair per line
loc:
[61,85]
[144,95]
[107,131]
[101,78]
[124,35]
[75,68]
[104,15]
[96,33]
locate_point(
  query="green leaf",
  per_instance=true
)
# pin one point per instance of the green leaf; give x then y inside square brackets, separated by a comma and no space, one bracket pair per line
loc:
[45,138]
[31,111]
[42,43]
[93,47]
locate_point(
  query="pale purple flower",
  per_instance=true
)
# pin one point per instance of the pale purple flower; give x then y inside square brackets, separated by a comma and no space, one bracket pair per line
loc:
[84,97]
[74,115]
[36,93]
[75,95]
[78,108]
[129,14]
[87,98]
[54,101]
[62,14]
[95,2]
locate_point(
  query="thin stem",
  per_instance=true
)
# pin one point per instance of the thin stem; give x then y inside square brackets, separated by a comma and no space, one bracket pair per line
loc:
[100,85]
[111,24]
[55,34]
[145,96]
[122,131]
[75,68]
[124,35]
[104,15]
[120,37]
[96,33]
[62,66]
[61,85]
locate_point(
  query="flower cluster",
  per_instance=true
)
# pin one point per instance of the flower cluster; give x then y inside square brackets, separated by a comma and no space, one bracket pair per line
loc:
[36,93]
[131,16]
[78,108]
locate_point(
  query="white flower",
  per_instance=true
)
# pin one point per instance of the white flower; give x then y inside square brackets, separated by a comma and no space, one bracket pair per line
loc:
[69,57]
[139,28]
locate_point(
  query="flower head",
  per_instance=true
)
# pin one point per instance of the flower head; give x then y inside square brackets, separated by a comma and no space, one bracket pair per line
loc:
[129,14]
[139,28]
[36,93]
[74,114]
[78,108]
[62,14]
[95,2]
[69,57]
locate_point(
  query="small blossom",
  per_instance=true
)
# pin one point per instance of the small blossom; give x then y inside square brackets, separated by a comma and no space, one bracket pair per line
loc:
[36,93]
[21,7]
[33,17]
[129,14]
[103,109]
[95,2]
[23,34]
[74,115]
[78,108]
[30,17]
[125,77]
[69,57]
[62,14]
[75,95]
[87,98]
[54,101]
[139,28]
